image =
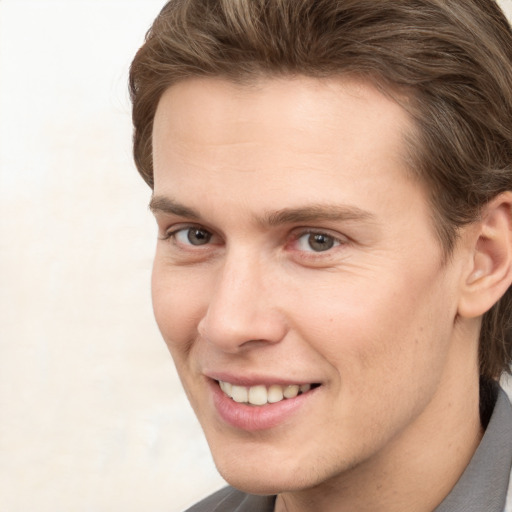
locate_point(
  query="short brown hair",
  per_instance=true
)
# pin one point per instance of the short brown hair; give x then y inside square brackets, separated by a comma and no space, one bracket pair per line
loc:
[452,57]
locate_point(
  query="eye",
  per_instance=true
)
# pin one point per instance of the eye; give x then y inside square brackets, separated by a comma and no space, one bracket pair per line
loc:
[191,236]
[316,242]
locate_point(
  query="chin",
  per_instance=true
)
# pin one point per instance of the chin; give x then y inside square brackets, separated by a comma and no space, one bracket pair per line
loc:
[261,484]
[266,478]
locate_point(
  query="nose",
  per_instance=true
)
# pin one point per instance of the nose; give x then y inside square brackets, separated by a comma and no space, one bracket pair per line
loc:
[242,310]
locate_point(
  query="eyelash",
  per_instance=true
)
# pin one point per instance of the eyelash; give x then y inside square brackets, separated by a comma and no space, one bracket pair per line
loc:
[336,240]
[172,233]
[300,233]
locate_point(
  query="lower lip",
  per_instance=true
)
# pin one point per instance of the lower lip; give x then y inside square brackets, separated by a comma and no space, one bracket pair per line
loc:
[259,417]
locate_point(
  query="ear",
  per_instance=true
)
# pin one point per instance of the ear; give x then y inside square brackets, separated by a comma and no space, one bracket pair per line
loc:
[489,273]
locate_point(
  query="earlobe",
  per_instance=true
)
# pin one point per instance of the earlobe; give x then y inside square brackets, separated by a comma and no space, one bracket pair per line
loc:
[490,270]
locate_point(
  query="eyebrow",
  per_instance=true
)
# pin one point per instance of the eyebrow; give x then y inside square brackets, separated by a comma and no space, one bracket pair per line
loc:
[309,213]
[316,212]
[163,204]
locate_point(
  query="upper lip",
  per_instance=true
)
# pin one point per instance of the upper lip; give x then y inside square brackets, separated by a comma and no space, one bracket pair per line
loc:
[255,380]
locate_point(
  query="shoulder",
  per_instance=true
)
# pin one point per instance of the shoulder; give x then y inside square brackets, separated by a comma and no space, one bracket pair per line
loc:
[229,499]
[508,505]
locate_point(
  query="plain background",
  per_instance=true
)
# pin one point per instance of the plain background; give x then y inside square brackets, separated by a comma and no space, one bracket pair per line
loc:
[92,416]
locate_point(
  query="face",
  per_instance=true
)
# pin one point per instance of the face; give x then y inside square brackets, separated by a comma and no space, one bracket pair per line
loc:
[298,281]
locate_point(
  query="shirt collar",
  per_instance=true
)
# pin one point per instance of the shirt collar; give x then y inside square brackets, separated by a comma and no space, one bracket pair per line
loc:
[484,483]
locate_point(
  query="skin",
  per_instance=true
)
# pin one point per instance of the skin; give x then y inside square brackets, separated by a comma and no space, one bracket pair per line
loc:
[375,319]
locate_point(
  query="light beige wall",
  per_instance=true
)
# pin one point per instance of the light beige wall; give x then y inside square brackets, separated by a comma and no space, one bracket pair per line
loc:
[92,417]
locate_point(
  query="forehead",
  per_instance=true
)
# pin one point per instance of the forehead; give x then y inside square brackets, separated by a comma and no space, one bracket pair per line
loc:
[337,139]
[317,115]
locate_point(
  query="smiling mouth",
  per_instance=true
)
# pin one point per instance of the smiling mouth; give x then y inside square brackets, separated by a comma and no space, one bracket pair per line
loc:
[261,395]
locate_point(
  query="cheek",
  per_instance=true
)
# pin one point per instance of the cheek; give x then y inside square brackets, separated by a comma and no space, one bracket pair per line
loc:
[386,354]
[379,327]
[178,305]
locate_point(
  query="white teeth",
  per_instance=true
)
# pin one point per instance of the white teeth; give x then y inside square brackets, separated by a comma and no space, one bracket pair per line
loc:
[305,388]
[260,395]
[239,394]
[257,395]
[275,394]
[291,391]
[226,387]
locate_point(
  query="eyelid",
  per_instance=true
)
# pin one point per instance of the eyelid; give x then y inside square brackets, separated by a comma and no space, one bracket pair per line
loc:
[170,233]
[300,232]
[339,239]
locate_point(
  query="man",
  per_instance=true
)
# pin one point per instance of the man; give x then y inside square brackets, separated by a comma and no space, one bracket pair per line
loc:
[332,186]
